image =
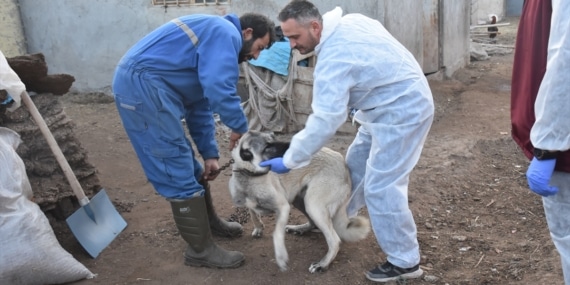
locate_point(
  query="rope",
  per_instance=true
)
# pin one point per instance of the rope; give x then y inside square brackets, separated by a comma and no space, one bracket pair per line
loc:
[267,106]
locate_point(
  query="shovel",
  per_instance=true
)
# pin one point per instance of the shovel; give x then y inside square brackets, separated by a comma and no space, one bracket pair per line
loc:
[97,222]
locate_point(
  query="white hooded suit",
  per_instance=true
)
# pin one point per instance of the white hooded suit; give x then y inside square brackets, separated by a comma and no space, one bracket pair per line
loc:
[361,66]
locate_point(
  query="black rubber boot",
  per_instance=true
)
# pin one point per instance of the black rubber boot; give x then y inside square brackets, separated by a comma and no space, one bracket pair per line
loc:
[219,227]
[191,218]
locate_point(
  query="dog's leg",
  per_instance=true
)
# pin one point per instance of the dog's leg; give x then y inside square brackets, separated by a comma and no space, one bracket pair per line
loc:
[322,219]
[281,255]
[257,224]
[299,203]
[299,229]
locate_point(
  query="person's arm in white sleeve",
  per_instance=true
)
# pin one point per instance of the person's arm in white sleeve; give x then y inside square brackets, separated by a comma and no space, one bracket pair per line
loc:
[10,81]
[551,131]
[331,92]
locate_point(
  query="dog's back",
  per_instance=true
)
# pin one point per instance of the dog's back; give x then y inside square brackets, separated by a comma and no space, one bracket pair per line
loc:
[327,171]
[328,179]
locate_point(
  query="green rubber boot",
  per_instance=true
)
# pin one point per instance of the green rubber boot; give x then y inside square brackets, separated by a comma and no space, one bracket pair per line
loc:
[191,218]
[219,227]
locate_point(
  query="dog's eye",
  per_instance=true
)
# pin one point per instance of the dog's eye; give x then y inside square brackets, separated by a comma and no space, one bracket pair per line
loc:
[245,154]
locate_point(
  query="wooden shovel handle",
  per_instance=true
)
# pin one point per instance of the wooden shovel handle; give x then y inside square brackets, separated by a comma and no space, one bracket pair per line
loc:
[77,190]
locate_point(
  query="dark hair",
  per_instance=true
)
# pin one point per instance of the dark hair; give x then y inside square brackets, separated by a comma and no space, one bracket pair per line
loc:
[260,24]
[301,11]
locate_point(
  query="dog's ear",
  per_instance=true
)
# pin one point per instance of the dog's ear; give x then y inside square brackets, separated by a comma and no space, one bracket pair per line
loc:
[268,137]
[275,149]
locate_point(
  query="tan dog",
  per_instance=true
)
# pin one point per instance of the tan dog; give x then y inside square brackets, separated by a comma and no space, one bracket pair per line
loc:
[320,190]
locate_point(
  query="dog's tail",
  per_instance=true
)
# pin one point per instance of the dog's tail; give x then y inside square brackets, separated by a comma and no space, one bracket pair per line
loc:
[353,229]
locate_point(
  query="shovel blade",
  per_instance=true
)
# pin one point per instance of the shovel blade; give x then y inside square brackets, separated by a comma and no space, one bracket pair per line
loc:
[96,224]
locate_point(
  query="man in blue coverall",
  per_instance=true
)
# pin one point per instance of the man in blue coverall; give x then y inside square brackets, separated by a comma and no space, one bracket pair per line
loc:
[188,69]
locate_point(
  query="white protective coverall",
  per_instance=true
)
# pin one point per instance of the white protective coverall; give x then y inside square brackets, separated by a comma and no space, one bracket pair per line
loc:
[360,65]
[10,81]
[551,129]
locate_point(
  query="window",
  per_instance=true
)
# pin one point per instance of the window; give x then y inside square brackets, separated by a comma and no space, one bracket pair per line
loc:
[189,2]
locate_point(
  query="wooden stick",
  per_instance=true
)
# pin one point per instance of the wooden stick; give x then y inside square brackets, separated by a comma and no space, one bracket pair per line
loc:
[493,45]
[484,33]
[490,25]
[67,171]
[480,259]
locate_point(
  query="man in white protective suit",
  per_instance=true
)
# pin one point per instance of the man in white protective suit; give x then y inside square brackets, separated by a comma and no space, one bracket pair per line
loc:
[540,112]
[361,66]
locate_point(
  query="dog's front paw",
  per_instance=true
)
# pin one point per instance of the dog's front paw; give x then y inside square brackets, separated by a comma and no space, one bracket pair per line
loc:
[257,233]
[316,267]
[282,258]
[282,265]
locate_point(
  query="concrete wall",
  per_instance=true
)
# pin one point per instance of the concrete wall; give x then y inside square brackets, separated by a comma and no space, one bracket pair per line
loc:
[455,36]
[514,7]
[12,41]
[86,38]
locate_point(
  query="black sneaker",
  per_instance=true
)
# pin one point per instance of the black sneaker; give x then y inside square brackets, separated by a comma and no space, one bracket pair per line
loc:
[389,272]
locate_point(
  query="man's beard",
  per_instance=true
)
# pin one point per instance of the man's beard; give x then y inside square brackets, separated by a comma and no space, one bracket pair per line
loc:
[311,46]
[245,50]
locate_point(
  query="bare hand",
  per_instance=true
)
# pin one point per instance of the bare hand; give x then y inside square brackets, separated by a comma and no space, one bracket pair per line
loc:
[210,167]
[234,138]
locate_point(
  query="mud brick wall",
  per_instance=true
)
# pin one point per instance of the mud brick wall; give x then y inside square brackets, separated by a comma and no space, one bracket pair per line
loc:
[50,186]
[52,191]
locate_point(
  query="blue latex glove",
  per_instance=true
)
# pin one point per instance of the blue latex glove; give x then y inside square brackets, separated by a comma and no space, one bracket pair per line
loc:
[538,175]
[276,165]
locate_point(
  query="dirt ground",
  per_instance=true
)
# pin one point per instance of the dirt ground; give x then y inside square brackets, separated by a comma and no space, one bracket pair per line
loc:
[477,221]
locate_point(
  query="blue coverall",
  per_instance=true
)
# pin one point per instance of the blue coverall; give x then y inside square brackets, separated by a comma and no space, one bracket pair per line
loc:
[185,69]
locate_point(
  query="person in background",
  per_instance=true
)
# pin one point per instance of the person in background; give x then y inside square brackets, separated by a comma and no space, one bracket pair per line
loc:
[187,70]
[540,111]
[362,66]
